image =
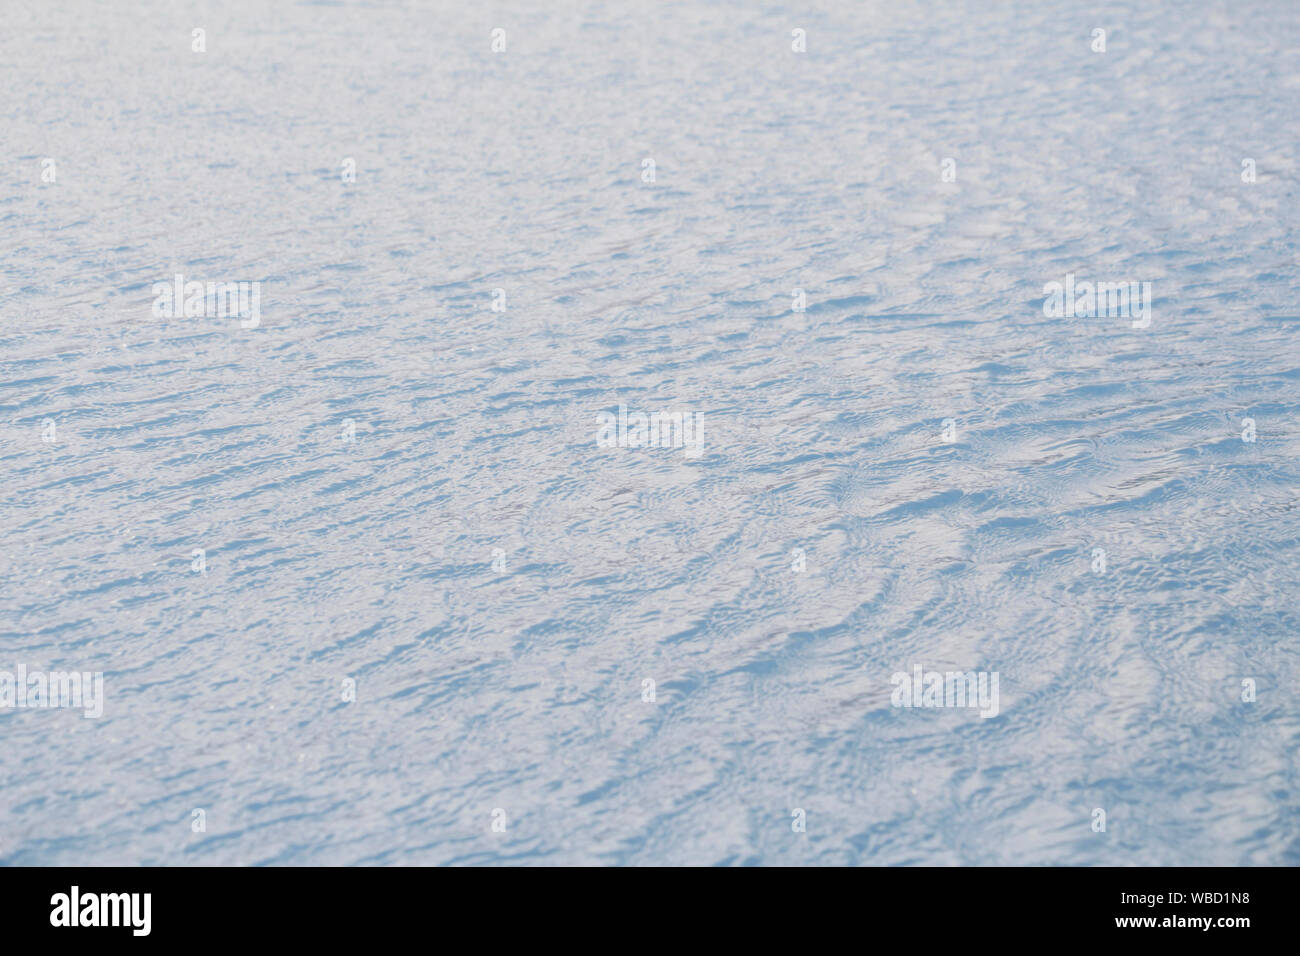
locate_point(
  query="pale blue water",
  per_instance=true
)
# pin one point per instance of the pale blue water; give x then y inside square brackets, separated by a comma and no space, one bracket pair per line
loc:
[521,689]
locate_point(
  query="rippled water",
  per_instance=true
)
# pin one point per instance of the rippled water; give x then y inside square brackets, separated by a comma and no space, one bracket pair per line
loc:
[497,585]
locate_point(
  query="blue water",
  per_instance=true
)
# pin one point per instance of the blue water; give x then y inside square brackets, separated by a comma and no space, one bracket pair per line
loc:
[498,586]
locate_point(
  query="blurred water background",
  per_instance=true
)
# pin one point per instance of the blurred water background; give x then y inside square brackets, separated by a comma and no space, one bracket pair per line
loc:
[475,432]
